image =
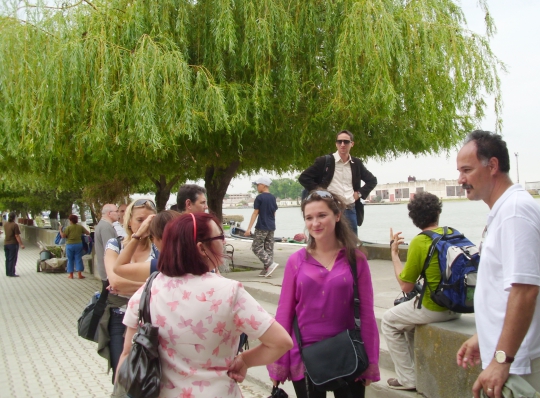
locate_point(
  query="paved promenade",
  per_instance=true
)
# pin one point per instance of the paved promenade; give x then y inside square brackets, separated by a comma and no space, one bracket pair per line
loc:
[41,354]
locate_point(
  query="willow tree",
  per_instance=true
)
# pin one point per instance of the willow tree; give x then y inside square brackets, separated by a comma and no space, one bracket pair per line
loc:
[223,87]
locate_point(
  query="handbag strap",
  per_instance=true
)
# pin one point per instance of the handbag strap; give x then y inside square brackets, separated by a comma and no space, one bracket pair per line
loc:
[144,303]
[356,305]
[99,309]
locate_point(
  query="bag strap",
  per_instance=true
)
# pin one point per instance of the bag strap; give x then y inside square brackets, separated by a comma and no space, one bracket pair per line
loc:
[144,304]
[356,305]
[99,309]
[435,240]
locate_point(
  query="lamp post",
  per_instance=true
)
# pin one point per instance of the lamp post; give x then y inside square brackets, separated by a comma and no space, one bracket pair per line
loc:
[517,166]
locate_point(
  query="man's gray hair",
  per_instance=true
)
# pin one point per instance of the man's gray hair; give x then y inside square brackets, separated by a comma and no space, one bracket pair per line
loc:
[107,208]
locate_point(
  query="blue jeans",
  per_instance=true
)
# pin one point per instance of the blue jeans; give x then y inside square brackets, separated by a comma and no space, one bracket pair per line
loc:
[350,215]
[12,252]
[74,255]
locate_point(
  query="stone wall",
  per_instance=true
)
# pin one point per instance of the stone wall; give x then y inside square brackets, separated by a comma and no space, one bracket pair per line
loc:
[34,234]
[435,348]
[382,252]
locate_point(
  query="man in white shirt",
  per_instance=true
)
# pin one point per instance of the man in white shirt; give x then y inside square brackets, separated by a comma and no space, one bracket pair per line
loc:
[342,175]
[506,300]
[119,224]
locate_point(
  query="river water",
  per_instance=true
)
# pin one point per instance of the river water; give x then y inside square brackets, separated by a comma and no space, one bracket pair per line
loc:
[469,217]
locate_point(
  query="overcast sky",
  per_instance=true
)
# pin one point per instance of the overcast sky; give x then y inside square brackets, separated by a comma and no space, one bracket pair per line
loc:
[517,44]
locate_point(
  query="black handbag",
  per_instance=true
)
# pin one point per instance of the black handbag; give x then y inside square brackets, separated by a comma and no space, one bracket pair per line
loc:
[140,373]
[333,362]
[87,324]
[278,393]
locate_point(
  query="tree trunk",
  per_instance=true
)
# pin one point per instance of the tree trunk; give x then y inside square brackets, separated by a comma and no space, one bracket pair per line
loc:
[163,190]
[95,219]
[216,182]
[65,213]
[53,219]
[82,211]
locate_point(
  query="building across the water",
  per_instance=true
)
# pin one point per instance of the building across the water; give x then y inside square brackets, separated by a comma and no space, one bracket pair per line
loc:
[404,191]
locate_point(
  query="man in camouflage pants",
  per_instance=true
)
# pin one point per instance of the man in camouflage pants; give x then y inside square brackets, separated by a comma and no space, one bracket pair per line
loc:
[264,212]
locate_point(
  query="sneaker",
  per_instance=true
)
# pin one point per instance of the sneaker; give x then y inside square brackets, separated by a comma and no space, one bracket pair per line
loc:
[263,273]
[271,269]
[396,385]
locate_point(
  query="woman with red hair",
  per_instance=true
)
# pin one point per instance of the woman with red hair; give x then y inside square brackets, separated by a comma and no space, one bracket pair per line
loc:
[201,315]
[74,247]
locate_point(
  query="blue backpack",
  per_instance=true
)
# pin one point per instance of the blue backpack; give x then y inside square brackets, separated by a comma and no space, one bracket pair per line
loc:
[458,263]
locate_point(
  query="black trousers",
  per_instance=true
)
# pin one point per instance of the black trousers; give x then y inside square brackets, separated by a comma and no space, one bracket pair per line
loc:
[352,390]
[116,345]
[11,251]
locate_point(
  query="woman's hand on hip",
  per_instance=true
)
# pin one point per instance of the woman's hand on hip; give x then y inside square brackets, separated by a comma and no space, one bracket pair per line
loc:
[238,369]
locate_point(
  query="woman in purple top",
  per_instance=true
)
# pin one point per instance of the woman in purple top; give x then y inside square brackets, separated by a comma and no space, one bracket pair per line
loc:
[318,289]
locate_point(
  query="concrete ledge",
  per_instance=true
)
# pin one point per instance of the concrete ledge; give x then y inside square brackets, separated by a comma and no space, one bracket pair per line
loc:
[377,251]
[34,234]
[435,348]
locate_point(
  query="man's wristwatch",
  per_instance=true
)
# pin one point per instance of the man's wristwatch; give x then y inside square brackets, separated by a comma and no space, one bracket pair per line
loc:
[501,357]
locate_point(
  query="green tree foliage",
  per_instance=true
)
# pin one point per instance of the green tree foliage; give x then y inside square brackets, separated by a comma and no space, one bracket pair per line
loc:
[286,188]
[213,88]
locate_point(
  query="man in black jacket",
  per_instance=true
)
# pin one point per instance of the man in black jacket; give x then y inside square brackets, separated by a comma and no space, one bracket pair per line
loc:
[342,174]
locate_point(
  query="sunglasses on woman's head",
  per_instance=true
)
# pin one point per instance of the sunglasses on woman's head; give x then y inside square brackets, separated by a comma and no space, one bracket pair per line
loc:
[219,237]
[321,194]
[142,202]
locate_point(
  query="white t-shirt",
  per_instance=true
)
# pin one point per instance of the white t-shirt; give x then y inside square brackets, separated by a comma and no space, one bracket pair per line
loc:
[120,231]
[342,180]
[510,253]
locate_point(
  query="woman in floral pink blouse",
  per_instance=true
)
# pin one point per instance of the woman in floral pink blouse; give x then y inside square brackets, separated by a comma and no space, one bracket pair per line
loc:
[201,315]
[318,290]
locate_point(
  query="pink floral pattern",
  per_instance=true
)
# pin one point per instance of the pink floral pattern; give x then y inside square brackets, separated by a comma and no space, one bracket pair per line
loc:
[200,319]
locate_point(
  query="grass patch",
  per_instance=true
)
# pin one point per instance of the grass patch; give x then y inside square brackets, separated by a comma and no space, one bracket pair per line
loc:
[241,268]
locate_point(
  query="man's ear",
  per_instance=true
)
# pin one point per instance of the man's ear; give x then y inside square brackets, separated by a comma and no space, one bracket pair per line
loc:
[493,165]
[188,204]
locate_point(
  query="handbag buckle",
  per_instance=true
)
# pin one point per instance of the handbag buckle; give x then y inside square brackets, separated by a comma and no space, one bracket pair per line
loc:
[134,338]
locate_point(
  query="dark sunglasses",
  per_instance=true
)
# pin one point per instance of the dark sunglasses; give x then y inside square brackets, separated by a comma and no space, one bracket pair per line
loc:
[142,202]
[346,142]
[320,194]
[219,237]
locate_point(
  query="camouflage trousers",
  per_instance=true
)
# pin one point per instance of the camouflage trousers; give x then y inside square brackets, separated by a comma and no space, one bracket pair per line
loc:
[263,246]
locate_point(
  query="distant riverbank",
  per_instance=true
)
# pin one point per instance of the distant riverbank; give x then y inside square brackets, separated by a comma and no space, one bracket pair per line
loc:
[469,217]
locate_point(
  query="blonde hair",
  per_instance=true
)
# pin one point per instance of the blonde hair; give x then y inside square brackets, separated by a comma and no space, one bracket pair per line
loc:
[127,218]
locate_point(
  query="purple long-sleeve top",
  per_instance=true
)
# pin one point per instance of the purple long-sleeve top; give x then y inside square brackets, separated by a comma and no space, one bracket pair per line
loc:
[323,302]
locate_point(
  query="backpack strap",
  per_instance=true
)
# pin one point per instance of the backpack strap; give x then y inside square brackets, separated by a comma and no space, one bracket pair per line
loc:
[327,161]
[435,240]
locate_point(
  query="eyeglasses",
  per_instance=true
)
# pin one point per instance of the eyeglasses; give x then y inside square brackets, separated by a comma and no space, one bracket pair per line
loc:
[321,194]
[142,202]
[219,237]
[346,142]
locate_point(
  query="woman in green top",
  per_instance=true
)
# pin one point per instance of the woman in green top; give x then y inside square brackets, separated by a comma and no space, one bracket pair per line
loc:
[74,247]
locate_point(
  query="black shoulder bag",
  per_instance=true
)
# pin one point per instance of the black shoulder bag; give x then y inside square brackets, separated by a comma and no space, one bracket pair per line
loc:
[87,324]
[140,373]
[338,360]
